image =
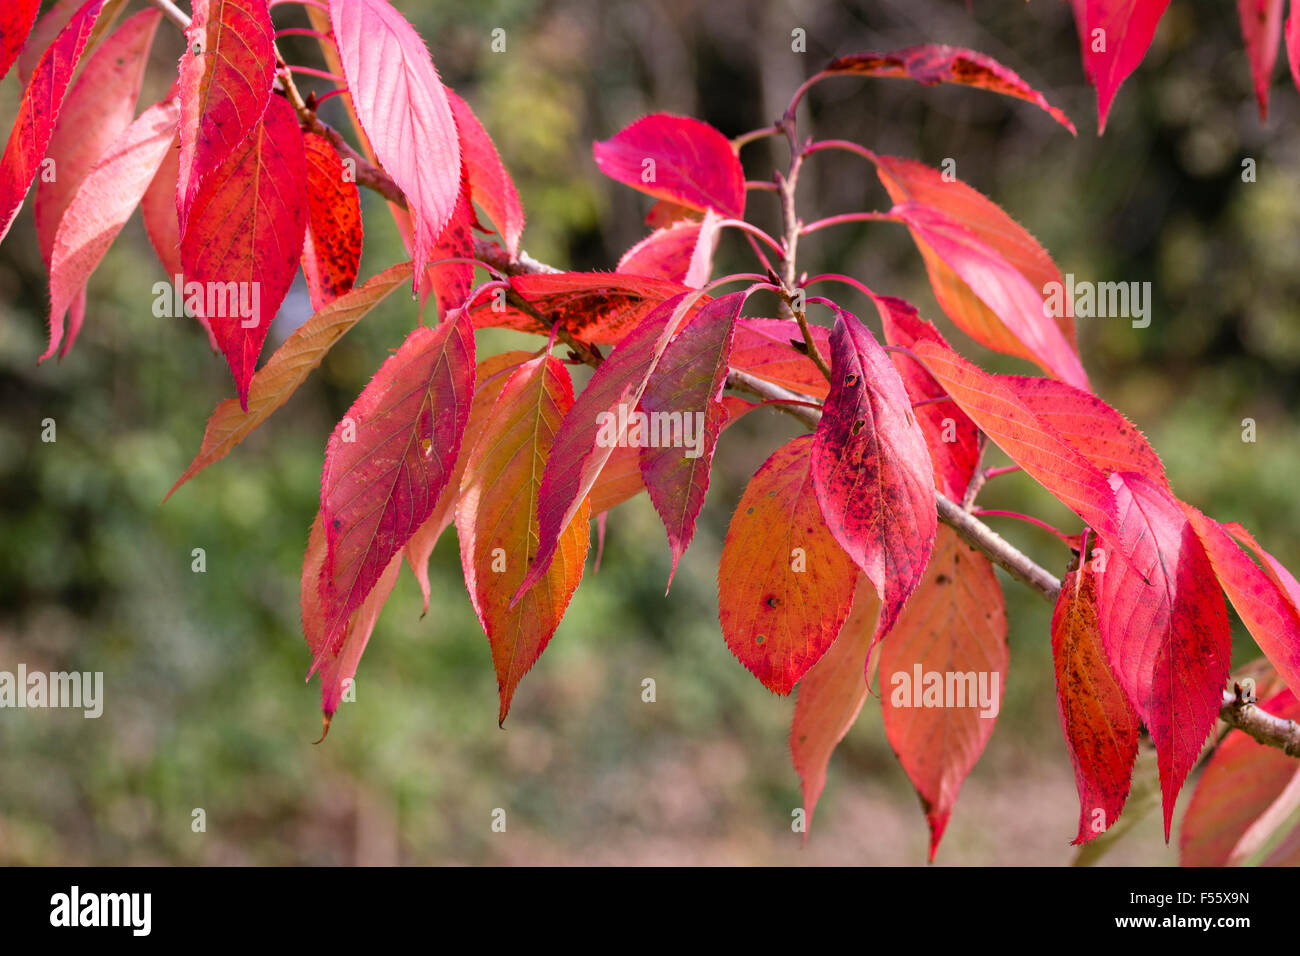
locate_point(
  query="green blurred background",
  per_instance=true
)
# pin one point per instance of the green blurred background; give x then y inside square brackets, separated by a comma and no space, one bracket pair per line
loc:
[205,701]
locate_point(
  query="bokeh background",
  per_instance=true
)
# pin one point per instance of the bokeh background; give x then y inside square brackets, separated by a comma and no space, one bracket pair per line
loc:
[205,701]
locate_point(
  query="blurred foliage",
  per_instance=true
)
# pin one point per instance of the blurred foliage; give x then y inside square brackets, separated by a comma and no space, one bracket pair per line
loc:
[205,705]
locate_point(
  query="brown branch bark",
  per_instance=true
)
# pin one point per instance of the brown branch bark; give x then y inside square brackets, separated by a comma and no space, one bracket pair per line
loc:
[1236,711]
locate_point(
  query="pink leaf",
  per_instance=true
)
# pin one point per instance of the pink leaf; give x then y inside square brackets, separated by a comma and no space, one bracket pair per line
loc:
[934,63]
[765,349]
[105,200]
[39,111]
[999,285]
[1114,35]
[1293,44]
[388,461]
[676,158]
[687,384]
[225,85]
[244,236]
[1164,625]
[871,471]
[97,109]
[404,112]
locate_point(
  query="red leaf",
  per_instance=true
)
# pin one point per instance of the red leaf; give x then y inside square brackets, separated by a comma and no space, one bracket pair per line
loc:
[404,112]
[452,282]
[785,586]
[1293,44]
[1096,430]
[490,183]
[870,468]
[597,307]
[104,201]
[16,20]
[331,249]
[338,668]
[496,522]
[998,285]
[225,86]
[676,158]
[686,383]
[763,349]
[389,459]
[1267,599]
[1032,443]
[288,367]
[587,436]
[951,638]
[1241,781]
[665,253]
[47,28]
[1261,28]
[245,231]
[1114,35]
[950,435]
[934,63]
[831,696]
[1164,625]
[1101,730]
[96,110]
[39,111]
[910,181]
[491,376]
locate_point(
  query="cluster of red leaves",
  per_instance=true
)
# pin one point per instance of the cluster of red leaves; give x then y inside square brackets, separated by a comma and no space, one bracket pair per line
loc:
[1115,35]
[834,566]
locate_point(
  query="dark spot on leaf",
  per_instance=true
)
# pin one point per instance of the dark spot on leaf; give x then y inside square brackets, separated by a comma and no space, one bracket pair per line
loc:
[760,639]
[851,379]
[942,579]
[772,600]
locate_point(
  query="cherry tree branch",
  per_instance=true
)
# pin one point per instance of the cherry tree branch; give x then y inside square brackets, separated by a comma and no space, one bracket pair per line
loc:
[1236,710]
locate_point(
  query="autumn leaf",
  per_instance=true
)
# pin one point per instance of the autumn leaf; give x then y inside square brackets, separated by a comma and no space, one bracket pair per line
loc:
[496,521]
[1101,729]
[1094,429]
[452,282]
[1240,784]
[490,183]
[831,696]
[597,307]
[1261,28]
[909,181]
[1115,35]
[244,236]
[490,377]
[935,63]
[97,108]
[225,86]
[665,253]
[686,386]
[16,21]
[943,670]
[763,348]
[389,459]
[1164,625]
[38,111]
[676,158]
[288,367]
[785,586]
[871,471]
[950,435]
[104,201]
[997,284]
[588,434]
[404,111]
[1267,598]
[338,669]
[331,249]
[1030,442]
